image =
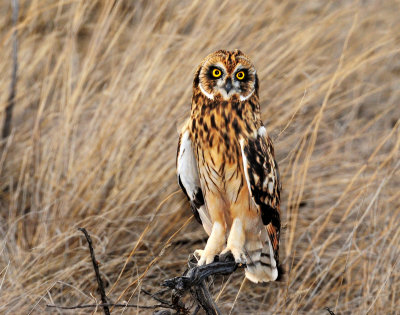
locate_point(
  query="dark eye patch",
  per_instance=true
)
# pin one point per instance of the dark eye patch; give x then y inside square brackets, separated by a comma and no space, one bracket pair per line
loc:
[246,75]
[210,72]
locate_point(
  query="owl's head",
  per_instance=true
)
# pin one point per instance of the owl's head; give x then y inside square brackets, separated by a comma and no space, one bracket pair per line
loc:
[225,74]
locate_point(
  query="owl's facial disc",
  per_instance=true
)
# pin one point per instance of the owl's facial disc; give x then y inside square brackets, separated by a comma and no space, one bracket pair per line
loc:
[219,81]
[227,87]
[227,74]
[240,81]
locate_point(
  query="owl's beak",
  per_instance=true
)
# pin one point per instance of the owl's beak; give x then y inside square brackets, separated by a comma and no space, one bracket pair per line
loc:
[228,85]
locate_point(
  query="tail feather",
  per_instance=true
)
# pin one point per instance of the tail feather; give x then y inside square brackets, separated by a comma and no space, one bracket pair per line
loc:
[261,264]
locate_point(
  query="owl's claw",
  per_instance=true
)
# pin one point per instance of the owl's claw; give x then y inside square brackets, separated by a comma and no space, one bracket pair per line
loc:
[198,253]
[226,257]
[204,258]
[230,254]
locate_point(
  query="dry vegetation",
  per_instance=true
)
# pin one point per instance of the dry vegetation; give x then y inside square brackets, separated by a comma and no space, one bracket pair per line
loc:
[102,89]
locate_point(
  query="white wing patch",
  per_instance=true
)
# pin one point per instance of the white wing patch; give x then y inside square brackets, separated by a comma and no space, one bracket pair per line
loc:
[189,181]
[244,158]
[262,132]
[187,166]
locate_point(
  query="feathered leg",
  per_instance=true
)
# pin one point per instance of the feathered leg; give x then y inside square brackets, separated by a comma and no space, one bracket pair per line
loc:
[215,243]
[236,241]
[217,238]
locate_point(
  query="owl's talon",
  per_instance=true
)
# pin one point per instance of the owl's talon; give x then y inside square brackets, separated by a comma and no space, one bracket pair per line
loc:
[233,254]
[242,259]
[204,258]
[228,256]
[198,253]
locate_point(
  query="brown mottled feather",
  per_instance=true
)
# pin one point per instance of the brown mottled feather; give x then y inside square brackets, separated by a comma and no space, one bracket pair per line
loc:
[263,177]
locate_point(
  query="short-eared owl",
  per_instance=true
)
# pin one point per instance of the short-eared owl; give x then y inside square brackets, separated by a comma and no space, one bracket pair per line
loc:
[227,169]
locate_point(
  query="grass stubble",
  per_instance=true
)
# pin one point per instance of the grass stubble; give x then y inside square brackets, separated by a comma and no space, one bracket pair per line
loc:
[102,89]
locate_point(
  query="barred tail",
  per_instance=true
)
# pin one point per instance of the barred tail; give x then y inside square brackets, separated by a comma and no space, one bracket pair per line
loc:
[261,265]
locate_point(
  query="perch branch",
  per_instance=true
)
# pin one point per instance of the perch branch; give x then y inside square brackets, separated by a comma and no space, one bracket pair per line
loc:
[193,281]
[195,275]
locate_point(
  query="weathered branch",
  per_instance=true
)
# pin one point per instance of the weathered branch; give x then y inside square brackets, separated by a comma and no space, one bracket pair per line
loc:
[203,297]
[193,281]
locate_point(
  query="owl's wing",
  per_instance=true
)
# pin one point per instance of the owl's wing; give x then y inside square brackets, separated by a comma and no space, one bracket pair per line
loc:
[188,177]
[262,177]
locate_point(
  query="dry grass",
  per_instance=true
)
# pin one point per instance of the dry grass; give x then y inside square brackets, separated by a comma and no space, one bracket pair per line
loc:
[102,88]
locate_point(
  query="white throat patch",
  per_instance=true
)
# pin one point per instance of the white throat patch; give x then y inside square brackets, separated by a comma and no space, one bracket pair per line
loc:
[224,95]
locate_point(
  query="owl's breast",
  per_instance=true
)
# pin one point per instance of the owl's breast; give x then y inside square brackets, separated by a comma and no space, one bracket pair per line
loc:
[216,133]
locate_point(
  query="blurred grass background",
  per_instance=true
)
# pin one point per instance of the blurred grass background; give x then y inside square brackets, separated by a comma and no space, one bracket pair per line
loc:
[102,89]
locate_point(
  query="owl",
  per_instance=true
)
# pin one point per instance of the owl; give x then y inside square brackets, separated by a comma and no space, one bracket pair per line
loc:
[226,167]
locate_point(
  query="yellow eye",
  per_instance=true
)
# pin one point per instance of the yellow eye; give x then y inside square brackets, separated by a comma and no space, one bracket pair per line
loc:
[240,75]
[216,73]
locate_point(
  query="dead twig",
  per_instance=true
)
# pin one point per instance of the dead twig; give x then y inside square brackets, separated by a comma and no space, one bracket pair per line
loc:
[13,86]
[105,305]
[155,297]
[329,310]
[97,271]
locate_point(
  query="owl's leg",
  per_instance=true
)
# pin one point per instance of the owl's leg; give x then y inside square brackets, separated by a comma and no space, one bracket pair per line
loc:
[217,237]
[215,244]
[242,222]
[236,242]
